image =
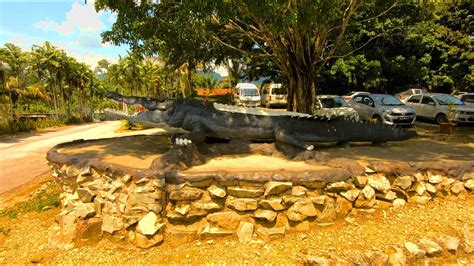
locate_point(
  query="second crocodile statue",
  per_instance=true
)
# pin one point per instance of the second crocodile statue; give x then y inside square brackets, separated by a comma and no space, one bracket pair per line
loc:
[203,120]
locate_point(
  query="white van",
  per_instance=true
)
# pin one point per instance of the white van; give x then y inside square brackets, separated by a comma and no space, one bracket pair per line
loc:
[274,94]
[246,94]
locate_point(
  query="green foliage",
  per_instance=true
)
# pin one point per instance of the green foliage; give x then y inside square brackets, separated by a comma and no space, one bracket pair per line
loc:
[41,201]
[147,76]
[428,46]
[205,81]
[297,37]
[10,126]
[125,124]
[45,80]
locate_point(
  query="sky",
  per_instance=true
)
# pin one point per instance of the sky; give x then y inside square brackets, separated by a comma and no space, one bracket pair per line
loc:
[70,25]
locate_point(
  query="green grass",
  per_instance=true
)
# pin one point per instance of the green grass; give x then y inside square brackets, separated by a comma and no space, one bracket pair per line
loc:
[41,201]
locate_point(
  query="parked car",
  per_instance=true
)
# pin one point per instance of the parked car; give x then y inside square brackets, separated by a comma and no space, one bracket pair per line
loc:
[441,108]
[467,98]
[246,94]
[273,94]
[405,94]
[329,105]
[382,108]
[348,97]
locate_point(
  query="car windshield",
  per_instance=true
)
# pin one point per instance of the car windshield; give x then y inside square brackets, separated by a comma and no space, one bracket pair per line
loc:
[447,100]
[249,92]
[333,102]
[387,100]
[279,91]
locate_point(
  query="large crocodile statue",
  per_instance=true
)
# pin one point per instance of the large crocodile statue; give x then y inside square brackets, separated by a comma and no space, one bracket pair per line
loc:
[203,120]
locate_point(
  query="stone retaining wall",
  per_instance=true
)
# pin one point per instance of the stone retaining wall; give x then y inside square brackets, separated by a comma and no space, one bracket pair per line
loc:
[177,207]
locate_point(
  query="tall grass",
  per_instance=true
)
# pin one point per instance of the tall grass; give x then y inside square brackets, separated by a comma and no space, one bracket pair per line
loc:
[12,126]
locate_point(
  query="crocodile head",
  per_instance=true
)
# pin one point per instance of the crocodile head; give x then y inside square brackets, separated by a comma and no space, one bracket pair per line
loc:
[156,111]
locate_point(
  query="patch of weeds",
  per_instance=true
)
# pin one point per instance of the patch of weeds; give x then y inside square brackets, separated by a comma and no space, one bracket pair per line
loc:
[11,213]
[5,231]
[127,125]
[42,200]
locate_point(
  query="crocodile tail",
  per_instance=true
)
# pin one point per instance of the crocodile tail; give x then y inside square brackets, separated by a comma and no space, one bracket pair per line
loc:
[364,131]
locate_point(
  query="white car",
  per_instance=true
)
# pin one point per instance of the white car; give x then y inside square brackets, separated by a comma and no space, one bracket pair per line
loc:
[246,94]
[467,99]
[441,108]
[382,108]
[273,94]
[333,105]
[405,94]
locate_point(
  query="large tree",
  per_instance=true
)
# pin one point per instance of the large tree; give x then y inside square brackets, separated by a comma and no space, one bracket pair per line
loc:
[431,48]
[298,36]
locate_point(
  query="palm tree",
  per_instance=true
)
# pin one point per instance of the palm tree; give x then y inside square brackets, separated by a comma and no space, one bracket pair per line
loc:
[51,65]
[13,68]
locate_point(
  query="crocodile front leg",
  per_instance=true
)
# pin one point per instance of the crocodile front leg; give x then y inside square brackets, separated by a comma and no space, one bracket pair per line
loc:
[284,135]
[196,135]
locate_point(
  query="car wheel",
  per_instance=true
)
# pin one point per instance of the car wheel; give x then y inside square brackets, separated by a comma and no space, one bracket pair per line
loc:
[441,118]
[377,120]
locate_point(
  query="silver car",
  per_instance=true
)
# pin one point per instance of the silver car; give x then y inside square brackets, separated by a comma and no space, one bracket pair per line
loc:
[273,94]
[441,108]
[383,108]
[333,105]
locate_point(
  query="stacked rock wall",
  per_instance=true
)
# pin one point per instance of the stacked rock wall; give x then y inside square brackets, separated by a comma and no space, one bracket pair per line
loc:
[146,210]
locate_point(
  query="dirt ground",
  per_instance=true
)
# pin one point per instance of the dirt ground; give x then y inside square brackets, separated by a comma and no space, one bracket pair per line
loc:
[24,239]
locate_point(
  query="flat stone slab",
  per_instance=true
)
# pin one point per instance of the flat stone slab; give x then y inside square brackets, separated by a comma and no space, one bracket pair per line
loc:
[137,156]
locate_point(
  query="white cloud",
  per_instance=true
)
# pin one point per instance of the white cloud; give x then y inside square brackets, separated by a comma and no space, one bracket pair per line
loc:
[89,39]
[85,56]
[20,41]
[63,28]
[80,17]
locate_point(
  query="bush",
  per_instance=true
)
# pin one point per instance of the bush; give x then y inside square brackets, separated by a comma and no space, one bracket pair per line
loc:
[12,126]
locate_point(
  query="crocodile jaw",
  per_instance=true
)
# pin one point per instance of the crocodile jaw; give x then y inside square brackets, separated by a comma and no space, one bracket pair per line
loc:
[152,118]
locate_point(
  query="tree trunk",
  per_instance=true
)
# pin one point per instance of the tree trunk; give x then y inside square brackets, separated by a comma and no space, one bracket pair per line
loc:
[53,89]
[301,89]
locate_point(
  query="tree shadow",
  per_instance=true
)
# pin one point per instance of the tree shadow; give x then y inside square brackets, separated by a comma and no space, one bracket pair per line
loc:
[414,150]
[132,151]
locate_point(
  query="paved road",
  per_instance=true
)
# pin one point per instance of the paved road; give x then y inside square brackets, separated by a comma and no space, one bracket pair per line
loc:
[22,157]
